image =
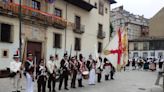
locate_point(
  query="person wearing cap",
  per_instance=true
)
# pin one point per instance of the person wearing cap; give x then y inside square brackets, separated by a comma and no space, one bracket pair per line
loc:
[73,66]
[64,67]
[29,69]
[107,68]
[15,74]
[41,77]
[99,69]
[81,68]
[51,68]
[92,72]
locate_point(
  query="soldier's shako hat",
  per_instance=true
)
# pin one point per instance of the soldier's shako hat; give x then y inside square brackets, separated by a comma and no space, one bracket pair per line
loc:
[65,54]
[29,54]
[15,56]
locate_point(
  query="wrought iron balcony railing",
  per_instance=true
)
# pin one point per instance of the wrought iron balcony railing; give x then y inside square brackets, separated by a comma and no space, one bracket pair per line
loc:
[101,34]
[79,29]
[28,13]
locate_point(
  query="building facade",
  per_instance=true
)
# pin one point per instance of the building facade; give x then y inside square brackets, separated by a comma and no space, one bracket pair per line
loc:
[156,24]
[137,26]
[146,48]
[72,26]
[153,45]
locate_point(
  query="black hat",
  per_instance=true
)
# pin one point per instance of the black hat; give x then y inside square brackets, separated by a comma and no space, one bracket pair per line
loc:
[29,54]
[73,57]
[65,54]
[15,56]
[51,56]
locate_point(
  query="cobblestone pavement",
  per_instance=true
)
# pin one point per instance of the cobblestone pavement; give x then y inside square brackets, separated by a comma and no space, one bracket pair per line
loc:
[129,81]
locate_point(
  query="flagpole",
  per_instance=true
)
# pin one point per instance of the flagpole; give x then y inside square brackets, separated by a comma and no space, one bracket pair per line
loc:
[20,38]
[20,30]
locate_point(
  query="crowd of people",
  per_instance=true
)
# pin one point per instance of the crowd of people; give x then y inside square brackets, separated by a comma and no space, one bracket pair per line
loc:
[145,63]
[53,70]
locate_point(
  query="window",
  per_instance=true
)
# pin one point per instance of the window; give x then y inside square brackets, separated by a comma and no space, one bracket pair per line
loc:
[99,47]
[5,1]
[160,54]
[58,12]
[145,54]
[152,54]
[152,45]
[135,54]
[77,44]
[5,53]
[145,46]
[77,22]
[57,40]
[135,46]
[101,7]
[100,27]
[106,10]
[35,4]
[5,33]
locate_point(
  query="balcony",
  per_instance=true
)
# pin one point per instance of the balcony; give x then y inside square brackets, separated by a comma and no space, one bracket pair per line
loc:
[112,1]
[144,31]
[79,29]
[101,34]
[82,4]
[30,14]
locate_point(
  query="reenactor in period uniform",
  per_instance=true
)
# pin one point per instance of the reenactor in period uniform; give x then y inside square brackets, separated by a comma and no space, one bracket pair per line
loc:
[81,69]
[41,76]
[64,72]
[73,66]
[107,68]
[51,67]
[29,73]
[92,72]
[15,73]
[99,69]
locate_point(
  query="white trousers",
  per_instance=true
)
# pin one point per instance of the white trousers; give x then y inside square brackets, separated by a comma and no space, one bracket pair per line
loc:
[29,83]
[15,81]
[92,76]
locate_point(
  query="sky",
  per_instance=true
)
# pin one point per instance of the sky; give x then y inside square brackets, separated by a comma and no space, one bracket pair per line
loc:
[148,8]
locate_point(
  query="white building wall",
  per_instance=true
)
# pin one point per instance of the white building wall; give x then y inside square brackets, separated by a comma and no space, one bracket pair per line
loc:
[88,38]
[10,47]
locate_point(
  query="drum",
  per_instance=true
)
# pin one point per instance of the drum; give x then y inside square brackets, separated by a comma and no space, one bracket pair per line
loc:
[85,74]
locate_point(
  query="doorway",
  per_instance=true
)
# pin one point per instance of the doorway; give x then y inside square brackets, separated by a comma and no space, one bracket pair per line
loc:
[36,49]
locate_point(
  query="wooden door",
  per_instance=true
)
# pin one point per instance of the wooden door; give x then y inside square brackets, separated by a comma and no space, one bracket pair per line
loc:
[36,49]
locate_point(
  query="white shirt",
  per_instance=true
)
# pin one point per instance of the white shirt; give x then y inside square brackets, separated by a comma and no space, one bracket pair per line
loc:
[15,66]
[57,63]
[51,66]
[161,60]
[107,69]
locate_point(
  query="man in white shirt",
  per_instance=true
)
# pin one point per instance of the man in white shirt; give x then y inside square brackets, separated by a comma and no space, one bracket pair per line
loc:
[15,74]
[29,72]
[51,67]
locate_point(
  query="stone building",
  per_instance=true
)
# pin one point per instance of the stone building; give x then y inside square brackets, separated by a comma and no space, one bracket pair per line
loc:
[153,45]
[75,26]
[137,26]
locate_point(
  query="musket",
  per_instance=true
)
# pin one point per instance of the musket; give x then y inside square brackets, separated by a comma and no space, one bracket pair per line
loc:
[34,68]
[70,52]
